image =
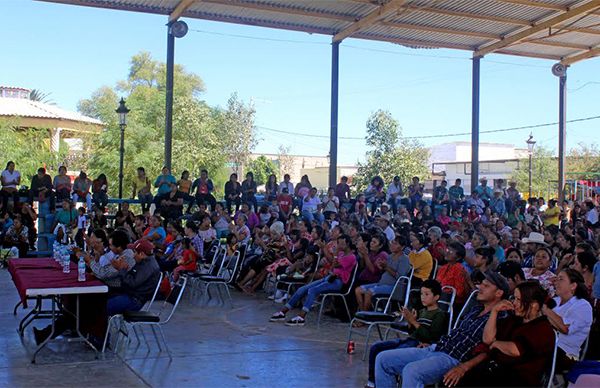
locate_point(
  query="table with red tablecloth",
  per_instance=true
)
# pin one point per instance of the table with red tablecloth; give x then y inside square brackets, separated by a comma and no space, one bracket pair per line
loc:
[43,278]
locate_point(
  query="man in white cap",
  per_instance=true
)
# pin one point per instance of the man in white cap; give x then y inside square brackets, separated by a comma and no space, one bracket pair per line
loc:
[498,204]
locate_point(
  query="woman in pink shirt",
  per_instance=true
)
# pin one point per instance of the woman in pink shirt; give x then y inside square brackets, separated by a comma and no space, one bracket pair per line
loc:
[343,266]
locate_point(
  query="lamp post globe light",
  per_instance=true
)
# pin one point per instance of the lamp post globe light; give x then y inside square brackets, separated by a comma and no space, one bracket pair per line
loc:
[122,111]
[530,144]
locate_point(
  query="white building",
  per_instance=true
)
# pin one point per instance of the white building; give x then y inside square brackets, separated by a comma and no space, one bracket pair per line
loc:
[450,161]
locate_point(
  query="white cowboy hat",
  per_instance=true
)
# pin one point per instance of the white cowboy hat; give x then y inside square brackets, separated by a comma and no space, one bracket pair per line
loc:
[535,238]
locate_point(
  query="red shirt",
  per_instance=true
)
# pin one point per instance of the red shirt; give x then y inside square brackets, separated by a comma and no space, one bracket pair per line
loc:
[285,202]
[455,275]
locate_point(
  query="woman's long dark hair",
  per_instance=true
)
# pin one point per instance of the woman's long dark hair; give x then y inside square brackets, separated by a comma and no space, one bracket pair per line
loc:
[581,291]
[532,291]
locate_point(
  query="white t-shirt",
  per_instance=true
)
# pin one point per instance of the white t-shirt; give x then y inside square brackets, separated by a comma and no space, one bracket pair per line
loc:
[289,186]
[10,177]
[577,314]
[330,204]
[311,205]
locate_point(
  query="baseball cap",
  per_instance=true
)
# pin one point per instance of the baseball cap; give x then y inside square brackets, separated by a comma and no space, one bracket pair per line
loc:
[142,246]
[499,281]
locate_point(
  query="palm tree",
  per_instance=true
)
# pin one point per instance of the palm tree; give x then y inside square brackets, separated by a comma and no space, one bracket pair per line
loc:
[39,96]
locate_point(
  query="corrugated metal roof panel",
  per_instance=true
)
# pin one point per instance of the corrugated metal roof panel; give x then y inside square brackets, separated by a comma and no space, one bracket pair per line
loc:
[439,23]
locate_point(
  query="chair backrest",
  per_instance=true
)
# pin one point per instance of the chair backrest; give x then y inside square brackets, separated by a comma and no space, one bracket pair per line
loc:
[175,296]
[217,264]
[434,269]
[148,305]
[229,267]
[553,364]
[399,293]
[471,301]
[446,303]
[213,250]
[350,285]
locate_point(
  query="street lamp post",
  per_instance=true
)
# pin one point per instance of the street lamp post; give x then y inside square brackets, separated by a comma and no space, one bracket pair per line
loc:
[530,144]
[122,111]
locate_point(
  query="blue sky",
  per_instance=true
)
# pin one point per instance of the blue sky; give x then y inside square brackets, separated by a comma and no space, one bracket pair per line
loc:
[71,51]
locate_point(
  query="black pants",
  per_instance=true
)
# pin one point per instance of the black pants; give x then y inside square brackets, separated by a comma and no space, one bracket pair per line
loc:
[229,201]
[6,195]
[204,198]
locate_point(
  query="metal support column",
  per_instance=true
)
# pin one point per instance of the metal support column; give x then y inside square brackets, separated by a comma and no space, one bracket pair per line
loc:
[475,123]
[169,96]
[121,156]
[562,134]
[333,140]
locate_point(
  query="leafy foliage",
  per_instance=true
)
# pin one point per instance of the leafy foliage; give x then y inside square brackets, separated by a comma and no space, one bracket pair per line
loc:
[262,167]
[29,149]
[390,154]
[200,133]
[544,167]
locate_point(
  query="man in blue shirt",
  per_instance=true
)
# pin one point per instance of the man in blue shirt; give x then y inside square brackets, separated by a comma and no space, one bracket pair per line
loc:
[428,365]
[484,191]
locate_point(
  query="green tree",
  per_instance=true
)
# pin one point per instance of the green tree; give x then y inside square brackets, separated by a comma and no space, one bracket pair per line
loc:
[389,154]
[39,96]
[544,168]
[585,158]
[262,167]
[200,132]
[29,148]
[237,126]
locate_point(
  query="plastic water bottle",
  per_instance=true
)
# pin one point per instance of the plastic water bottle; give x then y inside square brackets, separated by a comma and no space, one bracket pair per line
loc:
[66,262]
[81,270]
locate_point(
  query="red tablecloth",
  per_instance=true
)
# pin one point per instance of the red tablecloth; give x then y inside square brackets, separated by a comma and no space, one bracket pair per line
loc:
[45,273]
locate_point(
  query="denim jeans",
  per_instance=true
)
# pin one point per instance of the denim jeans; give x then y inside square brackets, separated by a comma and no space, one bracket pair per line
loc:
[417,367]
[120,303]
[312,290]
[87,198]
[309,216]
[383,346]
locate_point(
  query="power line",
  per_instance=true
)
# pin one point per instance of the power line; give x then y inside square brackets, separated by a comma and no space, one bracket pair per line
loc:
[430,136]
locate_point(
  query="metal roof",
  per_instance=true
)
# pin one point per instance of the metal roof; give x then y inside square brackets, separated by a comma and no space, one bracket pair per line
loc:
[562,30]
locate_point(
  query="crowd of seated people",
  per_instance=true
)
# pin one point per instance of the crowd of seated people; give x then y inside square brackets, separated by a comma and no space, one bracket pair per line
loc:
[534,264]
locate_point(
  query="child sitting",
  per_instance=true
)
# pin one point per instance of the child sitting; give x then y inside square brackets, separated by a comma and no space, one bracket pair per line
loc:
[425,327]
[187,261]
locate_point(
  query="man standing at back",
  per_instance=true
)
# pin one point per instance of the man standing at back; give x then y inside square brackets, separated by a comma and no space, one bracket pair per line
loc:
[428,365]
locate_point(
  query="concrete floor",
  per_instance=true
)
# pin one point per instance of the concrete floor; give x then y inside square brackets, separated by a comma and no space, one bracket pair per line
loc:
[212,346]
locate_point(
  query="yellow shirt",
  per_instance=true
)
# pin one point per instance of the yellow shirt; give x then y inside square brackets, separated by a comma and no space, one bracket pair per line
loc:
[551,216]
[422,262]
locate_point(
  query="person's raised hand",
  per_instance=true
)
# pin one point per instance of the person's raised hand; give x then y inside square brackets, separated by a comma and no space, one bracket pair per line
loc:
[503,305]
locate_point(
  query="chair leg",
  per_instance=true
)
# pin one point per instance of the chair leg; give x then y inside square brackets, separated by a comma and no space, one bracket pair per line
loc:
[367,341]
[347,309]
[108,327]
[162,335]
[156,337]
[321,311]
[228,294]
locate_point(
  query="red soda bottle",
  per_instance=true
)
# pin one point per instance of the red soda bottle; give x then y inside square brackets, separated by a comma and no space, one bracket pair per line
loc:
[350,347]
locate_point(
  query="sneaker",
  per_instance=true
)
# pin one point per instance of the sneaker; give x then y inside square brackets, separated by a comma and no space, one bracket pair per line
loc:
[278,316]
[277,295]
[296,321]
[283,299]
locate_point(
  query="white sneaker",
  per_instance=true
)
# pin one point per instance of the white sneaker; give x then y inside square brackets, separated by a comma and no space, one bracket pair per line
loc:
[296,321]
[278,316]
[277,295]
